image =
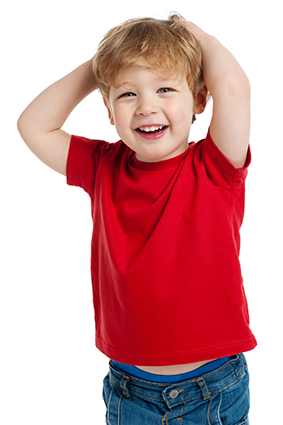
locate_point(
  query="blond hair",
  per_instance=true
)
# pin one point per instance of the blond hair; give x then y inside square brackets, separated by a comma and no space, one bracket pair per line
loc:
[163,45]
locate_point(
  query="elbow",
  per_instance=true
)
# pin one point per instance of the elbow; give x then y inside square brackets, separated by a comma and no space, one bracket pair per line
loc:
[24,125]
[20,126]
[21,123]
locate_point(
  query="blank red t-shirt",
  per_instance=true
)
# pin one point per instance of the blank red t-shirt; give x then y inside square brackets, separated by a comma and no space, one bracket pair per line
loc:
[166,277]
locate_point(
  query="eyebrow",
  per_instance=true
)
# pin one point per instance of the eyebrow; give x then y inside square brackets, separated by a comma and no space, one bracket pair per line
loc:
[126,84]
[129,85]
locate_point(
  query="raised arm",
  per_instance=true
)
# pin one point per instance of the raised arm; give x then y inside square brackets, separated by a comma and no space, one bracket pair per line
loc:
[40,123]
[230,90]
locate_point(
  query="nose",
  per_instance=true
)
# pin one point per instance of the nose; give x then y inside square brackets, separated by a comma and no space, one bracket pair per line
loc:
[146,106]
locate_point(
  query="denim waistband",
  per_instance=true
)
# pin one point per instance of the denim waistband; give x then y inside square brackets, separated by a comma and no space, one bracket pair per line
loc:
[173,394]
[152,377]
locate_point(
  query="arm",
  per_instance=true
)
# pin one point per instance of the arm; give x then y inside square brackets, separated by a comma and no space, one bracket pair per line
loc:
[230,90]
[40,123]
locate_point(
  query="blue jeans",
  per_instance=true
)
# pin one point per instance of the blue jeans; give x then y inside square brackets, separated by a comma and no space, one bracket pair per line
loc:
[220,397]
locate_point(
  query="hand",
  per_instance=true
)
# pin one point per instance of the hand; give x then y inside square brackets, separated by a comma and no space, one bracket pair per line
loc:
[194,29]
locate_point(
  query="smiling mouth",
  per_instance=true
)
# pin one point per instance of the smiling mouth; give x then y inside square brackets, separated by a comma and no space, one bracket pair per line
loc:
[152,130]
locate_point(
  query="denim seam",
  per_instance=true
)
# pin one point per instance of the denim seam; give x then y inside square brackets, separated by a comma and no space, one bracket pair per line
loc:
[164,419]
[118,408]
[108,404]
[180,418]
[208,412]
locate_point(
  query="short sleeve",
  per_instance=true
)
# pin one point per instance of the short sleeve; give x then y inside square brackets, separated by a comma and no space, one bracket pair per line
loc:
[82,162]
[219,168]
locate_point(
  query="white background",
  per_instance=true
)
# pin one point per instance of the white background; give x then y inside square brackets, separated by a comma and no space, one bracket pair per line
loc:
[50,370]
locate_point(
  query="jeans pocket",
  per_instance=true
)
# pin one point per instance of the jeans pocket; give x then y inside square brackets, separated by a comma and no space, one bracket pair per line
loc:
[231,406]
[236,402]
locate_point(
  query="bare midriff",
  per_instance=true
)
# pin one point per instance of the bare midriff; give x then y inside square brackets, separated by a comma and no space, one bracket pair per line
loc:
[174,369]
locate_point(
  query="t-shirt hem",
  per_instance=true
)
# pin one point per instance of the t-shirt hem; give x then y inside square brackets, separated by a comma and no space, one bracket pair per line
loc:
[73,162]
[216,155]
[179,357]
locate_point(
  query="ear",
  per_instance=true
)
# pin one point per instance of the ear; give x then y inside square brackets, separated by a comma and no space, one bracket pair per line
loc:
[109,111]
[201,99]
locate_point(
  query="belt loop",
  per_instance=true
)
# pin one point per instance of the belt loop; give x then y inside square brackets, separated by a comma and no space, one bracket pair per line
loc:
[204,389]
[123,385]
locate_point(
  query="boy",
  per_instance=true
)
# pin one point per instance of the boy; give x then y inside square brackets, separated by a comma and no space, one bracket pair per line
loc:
[170,307]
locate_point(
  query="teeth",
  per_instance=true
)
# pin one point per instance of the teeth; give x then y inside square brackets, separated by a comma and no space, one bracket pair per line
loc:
[149,129]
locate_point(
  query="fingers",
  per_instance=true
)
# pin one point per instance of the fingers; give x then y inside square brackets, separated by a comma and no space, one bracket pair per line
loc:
[194,29]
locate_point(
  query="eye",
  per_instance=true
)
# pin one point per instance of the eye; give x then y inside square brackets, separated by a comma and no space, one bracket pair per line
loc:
[128,94]
[165,90]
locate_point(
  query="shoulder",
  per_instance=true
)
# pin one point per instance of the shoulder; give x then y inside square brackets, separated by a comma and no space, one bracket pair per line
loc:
[94,147]
[211,162]
[86,156]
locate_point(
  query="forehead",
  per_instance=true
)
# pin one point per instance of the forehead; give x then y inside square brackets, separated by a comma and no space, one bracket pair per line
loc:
[134,74]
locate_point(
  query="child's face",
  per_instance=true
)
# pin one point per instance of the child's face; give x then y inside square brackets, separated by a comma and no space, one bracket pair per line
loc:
[152,113]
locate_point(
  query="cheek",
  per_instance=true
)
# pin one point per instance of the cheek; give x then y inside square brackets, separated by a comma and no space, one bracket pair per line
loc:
[122,124]
[182,118]
[120,116]
[181,112]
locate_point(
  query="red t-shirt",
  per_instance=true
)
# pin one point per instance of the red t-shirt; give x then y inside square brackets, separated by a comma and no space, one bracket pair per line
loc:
[167,283]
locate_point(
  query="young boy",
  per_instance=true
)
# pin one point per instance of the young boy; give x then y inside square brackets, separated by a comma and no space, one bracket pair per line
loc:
[170,308]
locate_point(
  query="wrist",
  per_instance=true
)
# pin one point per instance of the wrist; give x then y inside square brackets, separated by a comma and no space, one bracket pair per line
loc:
[89,75]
